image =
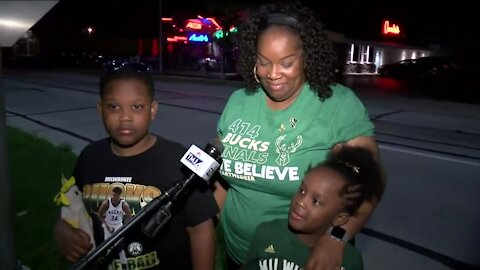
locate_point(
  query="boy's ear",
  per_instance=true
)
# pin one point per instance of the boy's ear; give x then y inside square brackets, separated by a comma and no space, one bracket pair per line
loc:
[341,219]
[99,107]
[154,109]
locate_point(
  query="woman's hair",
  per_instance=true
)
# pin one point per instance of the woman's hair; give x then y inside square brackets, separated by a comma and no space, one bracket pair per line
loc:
[319,58]
[358,167]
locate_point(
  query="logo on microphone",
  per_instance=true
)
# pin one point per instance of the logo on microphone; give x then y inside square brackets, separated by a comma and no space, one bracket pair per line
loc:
[194,160]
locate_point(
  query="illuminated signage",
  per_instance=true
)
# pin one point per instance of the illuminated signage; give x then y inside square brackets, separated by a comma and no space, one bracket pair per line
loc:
[198,38]
[218,34]
[176,39]
[390,29]
[194,25]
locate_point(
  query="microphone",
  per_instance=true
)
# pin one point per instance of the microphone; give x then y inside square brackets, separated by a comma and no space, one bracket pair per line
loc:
[202,164]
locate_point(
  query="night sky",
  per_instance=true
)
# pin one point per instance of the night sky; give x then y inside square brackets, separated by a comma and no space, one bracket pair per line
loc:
[453,25]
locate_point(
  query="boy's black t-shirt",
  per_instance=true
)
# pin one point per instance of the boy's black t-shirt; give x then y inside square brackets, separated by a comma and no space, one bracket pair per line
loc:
[142,178]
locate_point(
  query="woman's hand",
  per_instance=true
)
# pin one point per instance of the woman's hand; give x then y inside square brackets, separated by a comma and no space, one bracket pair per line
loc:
[327,254]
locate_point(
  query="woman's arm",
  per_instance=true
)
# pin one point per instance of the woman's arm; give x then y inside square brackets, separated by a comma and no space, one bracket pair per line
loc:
[202,242]
[220,193]
[356,222]
[327,254]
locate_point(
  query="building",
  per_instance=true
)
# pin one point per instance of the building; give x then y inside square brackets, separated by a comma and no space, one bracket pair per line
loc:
[365,56]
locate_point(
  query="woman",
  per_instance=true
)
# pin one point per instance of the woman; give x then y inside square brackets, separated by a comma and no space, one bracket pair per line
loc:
[288,117]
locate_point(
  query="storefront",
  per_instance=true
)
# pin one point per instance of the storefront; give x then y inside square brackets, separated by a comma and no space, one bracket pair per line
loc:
[366,56]
[192,45]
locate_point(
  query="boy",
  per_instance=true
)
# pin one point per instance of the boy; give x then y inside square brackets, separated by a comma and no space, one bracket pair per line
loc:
[323,203]
[143,166]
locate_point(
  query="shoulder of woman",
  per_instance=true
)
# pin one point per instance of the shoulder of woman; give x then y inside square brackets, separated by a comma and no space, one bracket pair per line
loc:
[341,90]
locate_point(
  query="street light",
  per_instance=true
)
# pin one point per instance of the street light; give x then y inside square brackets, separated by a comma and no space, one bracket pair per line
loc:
[89,30]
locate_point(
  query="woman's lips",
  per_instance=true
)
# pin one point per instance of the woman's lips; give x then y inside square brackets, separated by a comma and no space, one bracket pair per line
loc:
[277,86]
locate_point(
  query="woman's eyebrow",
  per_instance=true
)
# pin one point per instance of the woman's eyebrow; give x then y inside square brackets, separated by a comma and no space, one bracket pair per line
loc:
[285,57]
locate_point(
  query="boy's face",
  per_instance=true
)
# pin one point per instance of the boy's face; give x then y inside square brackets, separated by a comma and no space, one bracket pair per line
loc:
[318,204]
[127,111]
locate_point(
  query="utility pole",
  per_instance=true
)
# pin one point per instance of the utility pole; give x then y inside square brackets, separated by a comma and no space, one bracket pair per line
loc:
[160,38]
[7,243]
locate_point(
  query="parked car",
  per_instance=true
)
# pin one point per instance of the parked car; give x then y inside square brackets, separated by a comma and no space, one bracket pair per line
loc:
[423,68]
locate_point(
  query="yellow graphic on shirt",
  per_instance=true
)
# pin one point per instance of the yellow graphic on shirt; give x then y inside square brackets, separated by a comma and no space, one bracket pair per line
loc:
[137,196]
[146,261]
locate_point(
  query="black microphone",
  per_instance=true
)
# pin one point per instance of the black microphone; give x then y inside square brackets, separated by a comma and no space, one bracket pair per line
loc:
[201,164]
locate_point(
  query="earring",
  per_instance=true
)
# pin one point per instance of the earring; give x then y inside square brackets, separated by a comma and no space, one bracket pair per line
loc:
[255,74]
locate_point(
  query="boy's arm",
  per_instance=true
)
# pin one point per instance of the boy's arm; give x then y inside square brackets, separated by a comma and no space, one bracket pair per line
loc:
[202,244]
[72,243]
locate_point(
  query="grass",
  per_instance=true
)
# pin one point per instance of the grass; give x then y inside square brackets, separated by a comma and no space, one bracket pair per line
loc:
[35,169]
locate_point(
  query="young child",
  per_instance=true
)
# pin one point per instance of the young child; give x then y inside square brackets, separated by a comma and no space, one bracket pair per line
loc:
[323,203]
[143,166]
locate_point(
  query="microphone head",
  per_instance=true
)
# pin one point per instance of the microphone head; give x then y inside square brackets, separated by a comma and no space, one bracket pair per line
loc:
[215,149]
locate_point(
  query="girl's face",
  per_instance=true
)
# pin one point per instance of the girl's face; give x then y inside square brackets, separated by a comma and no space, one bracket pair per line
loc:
[127,111]
[280,65]
[318,203]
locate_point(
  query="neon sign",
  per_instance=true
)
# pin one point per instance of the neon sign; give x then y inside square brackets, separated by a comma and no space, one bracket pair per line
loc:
[198,38]
[210,21]
[390,29]
[194,25]
[218,34]
[176,39]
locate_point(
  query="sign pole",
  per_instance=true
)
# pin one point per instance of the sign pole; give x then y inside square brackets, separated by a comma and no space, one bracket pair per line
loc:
[7,243]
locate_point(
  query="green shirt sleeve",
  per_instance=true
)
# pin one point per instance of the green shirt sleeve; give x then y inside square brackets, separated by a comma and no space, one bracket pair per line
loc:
[352,259]
[351,117]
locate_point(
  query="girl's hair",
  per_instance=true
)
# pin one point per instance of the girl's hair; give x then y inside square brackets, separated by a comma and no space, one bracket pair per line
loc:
[319,58]
[358,168]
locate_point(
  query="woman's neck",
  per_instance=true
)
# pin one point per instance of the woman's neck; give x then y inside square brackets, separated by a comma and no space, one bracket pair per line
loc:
[282,105]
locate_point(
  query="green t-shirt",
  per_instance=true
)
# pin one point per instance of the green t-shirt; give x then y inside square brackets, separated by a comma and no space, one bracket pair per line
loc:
[275,247]
[267,153]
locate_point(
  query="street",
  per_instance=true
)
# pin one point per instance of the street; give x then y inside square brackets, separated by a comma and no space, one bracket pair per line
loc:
[430,148]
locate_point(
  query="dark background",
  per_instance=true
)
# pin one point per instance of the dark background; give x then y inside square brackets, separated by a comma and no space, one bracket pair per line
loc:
[453,25]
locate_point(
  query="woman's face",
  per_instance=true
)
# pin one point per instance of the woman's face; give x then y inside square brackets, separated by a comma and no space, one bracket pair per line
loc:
[280,65]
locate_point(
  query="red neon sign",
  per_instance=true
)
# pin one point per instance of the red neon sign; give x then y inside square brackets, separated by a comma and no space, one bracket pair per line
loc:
[390,29]
[194,25]
[176,39]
